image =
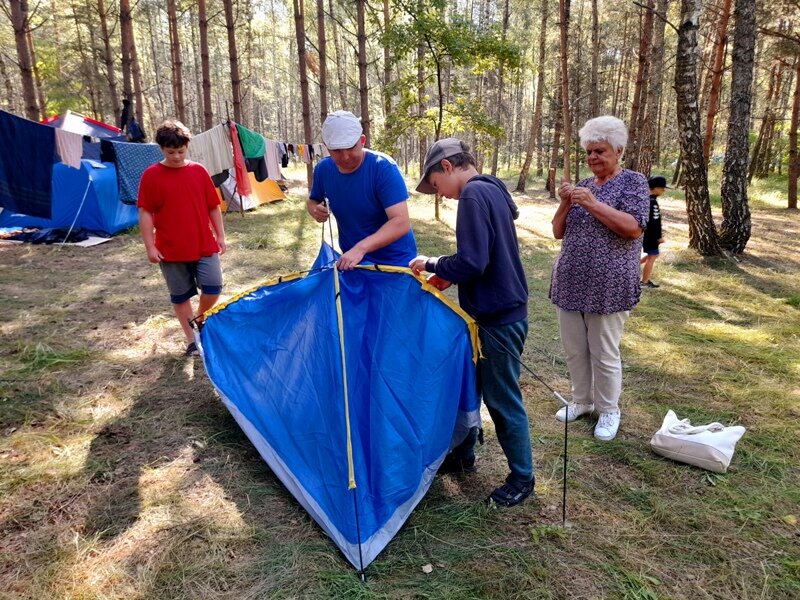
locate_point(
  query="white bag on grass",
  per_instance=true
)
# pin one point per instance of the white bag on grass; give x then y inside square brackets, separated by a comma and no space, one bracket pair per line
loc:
[706,446]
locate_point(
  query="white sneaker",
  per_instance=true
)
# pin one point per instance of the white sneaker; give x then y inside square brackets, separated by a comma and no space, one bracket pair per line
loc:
[572,411]
[607,426]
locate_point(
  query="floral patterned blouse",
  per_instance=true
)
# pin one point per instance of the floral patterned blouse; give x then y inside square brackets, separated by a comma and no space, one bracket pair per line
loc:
[597,271]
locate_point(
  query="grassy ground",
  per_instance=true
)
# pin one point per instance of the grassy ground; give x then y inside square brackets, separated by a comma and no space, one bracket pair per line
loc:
[123,476]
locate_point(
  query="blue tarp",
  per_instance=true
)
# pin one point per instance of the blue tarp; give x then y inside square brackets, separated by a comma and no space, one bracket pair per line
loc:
[274,356]
[89,193]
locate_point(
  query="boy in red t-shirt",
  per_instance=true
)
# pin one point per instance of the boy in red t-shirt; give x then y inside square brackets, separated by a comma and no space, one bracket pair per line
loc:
[178,207]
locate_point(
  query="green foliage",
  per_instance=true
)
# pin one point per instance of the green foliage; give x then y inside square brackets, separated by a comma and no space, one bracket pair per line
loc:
[451,43]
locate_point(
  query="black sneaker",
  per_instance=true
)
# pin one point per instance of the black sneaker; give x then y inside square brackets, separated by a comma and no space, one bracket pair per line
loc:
[456,465]
[650,284]
[510,494]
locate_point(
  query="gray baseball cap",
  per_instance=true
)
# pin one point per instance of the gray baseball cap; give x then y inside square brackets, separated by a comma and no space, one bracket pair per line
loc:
[438,151]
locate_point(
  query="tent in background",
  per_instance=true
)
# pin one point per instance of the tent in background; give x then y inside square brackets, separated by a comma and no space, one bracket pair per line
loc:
[352,406]
[86,198]
[83,125]
[263,192]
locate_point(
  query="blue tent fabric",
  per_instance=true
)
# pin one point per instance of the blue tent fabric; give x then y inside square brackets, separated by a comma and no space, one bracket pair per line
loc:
[274,356]
[132,159]
[85,198]
[26,157]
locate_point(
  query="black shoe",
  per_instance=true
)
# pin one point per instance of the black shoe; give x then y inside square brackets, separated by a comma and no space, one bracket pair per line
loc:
[510,494]
[456,465]
[650,284]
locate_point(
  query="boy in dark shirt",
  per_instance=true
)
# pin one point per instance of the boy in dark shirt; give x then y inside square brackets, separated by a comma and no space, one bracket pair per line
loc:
[493,289]
[652,233]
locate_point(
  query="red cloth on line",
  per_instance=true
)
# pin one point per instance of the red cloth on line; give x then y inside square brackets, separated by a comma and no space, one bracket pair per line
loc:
[180,201]
[242,180]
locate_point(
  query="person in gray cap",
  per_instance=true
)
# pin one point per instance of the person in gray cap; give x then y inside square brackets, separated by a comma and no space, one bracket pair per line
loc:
[366,193]
[492,287]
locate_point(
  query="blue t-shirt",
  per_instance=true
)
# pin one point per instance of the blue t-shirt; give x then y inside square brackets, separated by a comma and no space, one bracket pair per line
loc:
[359,201]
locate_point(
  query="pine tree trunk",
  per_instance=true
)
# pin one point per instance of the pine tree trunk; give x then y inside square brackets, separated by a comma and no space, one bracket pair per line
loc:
[177,61]
[7,84]
[794,160]
[363,89]
[322,43]
[87,63]
[423,142]
[623,65]
[37,77]
[341,63]
[594,108]
[387,73]
[94,93]
[563,6]
[156,32]
[640,89]
[702,232]
[126,35]
[197,72]
[647,135]
[108,60]
[236,80]
[536,123]
[720,41]
[136,73]
[19,21]
[557,118]
[735,228]
[500,108]
[208,111]
[300,34]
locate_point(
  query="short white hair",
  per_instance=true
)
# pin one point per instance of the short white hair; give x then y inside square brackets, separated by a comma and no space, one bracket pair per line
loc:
[604,129]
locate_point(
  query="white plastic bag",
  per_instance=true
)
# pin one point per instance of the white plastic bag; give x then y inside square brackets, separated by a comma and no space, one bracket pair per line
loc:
[706,446]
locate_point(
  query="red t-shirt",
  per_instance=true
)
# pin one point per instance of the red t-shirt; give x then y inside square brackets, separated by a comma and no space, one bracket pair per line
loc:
[180,200]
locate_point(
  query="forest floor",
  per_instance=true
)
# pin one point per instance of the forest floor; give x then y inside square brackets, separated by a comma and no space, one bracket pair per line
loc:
[122,475]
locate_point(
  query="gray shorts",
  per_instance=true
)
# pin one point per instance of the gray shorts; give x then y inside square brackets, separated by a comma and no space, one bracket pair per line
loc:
[183,278]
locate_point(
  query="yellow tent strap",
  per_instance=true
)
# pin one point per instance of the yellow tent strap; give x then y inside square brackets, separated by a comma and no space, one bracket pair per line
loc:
[350,469]
[472,325]
[268,282]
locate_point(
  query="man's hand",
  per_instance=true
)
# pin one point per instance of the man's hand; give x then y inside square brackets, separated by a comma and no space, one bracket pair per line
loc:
[222,245]
[439,283]
[417,265]
[318,211]
[350,259]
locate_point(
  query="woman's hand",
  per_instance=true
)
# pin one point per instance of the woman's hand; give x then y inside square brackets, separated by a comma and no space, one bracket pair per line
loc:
[565,190]
[582,197]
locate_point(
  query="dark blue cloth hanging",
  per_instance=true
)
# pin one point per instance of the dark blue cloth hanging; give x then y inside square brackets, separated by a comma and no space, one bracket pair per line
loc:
[27,155]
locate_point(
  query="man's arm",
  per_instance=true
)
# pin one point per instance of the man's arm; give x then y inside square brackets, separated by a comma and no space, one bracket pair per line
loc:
[396,227]
[148,236]
[215,214]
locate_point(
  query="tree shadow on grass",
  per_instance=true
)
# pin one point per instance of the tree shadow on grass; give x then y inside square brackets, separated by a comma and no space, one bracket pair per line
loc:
[149,434]
[181,498]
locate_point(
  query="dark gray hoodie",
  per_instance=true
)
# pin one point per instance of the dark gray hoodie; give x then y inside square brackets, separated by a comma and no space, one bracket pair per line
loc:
[486,266]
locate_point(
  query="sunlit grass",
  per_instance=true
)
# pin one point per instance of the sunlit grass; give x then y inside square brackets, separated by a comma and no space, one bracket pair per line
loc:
[123,476]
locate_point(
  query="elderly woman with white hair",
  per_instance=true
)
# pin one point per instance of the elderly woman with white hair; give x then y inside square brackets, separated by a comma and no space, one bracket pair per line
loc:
[595,281]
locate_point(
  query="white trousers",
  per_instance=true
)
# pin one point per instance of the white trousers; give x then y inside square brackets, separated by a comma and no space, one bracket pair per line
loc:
[591,343]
